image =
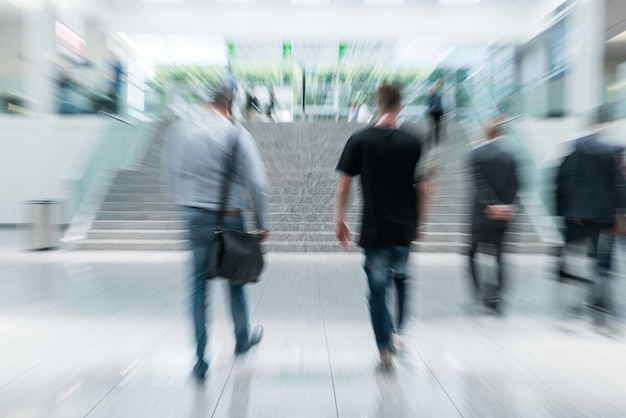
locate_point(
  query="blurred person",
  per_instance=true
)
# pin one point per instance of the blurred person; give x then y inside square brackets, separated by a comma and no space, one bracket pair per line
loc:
[435,112]
[393,207]
[363,114]
[495,181]
[353,112]
[271,107]
[253,107]
[589,193]
[198,156]
[115,88]
[229,81]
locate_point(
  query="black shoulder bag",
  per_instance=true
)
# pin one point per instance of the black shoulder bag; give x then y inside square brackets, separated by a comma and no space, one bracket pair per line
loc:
[236,255]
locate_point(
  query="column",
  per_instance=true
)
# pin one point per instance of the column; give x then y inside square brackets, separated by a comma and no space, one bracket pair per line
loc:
[38,47]
[584,91]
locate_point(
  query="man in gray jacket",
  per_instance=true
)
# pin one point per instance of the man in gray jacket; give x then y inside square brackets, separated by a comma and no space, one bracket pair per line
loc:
[198,153]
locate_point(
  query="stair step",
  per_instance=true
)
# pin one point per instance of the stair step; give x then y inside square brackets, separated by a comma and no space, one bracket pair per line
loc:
[135,245]
[138,216]
[139,197]
[139,206]
[138,225]
[137,234]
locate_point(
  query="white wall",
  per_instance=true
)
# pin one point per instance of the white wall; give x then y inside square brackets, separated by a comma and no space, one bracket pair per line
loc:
[34,153]
[532,66]
[611,72]
[10,46]
[456,24]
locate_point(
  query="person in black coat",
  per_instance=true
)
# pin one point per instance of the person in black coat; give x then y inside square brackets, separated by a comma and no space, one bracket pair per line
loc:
[589,190]
[435,113]
[494,174]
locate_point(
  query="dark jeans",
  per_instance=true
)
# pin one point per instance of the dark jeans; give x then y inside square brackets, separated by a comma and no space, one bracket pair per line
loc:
[381,266]
[201,224]
[494,238]
[600,243]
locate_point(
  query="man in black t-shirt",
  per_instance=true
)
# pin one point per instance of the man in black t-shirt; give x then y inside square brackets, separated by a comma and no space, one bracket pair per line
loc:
[393,205]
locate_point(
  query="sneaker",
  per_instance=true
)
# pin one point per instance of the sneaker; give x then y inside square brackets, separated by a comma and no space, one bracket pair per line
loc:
[255,337]
[386,361]
[200,369]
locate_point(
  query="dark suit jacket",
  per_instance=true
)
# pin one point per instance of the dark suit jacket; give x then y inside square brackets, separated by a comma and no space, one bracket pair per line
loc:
[434,104]
[494,174]
[589,183]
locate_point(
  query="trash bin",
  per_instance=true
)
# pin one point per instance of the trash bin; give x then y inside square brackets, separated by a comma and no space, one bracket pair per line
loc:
[43,222]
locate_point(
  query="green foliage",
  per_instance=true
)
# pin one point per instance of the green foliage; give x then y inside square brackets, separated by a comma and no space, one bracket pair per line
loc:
[356,83]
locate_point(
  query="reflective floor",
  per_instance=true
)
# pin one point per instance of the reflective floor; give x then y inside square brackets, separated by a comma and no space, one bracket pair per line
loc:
[109,335]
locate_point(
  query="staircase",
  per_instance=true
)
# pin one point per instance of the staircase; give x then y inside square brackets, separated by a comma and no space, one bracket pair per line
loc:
[137,213]
[300,160]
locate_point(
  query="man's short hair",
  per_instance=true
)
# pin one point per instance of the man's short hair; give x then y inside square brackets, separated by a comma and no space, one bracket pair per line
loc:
[221,96]
[389,96]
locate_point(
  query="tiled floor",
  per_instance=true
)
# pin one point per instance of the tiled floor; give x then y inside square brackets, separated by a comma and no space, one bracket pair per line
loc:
[108,335]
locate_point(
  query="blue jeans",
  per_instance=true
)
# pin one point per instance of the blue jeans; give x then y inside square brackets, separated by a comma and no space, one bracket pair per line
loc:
[201,225]
[381,266]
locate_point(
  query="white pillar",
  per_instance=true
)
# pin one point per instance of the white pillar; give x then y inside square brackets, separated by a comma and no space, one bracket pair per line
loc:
[38,47]
[584,92]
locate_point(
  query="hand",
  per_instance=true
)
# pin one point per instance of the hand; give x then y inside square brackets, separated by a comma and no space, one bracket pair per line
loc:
[500,212]
[264,234]
[342,232]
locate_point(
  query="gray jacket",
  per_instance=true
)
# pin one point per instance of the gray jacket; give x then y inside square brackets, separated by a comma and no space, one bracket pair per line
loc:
[195,156]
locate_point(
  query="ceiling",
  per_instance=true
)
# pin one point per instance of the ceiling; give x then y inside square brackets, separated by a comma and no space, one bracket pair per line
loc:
[415,33]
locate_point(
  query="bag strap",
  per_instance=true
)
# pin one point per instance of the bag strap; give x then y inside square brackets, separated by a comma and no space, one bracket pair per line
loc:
[227,175]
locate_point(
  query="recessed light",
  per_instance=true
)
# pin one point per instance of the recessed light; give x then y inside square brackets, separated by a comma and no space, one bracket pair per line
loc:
[235,2]
[383,2]
[162,1]
[458,2]
[310,2]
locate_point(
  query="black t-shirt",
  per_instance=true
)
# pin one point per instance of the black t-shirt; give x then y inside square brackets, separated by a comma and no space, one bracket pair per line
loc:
[386,160]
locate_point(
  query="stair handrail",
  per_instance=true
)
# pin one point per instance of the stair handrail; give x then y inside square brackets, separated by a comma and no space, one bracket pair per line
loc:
[89,176]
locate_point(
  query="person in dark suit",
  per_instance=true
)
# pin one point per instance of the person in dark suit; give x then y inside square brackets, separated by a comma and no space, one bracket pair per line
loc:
[589,190]
[435,112]
[494,174]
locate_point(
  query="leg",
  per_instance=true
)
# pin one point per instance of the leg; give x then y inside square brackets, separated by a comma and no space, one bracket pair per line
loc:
[239,312]
[437,122]
[399,259]
[201,226]
[498,242]
[238,303]
[602,241]
[472,266]
[376,268]
[431,131]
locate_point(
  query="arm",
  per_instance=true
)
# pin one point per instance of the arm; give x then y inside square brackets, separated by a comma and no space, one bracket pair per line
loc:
[424,191]
[256,179]
[492,206]
[170,157]
[485,193]
[342,230]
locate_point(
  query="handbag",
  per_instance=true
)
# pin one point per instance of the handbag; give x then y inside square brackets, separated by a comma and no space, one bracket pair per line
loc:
[236,255]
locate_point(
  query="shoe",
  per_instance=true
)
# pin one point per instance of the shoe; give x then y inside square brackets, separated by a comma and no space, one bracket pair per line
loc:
[599,308]
[385,368]
[397,345]
[255,337]
[493,305]
[200,369]
[386,362]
